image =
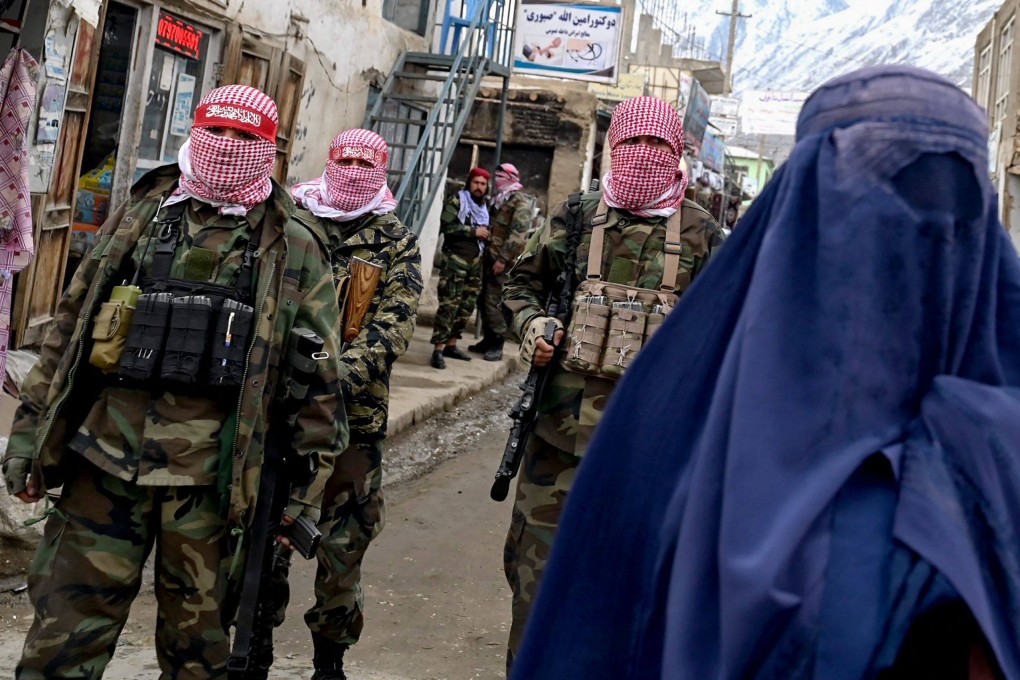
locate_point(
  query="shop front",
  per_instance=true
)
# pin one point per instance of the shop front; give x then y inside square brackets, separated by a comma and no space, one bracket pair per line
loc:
[140,116]
[116,100]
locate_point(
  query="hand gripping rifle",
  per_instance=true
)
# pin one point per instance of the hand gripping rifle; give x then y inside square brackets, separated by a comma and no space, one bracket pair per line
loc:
[280,473]
[525,411]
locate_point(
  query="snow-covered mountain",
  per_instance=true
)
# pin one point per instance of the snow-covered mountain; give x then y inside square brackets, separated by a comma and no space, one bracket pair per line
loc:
[799,44]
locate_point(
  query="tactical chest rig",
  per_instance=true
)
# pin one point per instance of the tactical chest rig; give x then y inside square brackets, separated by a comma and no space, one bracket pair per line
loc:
[611,322]
[184,332]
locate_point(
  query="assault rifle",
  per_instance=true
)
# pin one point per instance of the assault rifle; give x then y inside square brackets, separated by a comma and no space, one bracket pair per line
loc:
[525,411]
[279,474]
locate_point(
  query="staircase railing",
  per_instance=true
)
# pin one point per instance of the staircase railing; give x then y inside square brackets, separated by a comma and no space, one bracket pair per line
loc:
[422,174]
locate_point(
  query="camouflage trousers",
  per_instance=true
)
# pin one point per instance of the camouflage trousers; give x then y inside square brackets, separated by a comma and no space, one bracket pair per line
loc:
[88,570]
[459,282]
[353,514]
[493,321]
[546,475]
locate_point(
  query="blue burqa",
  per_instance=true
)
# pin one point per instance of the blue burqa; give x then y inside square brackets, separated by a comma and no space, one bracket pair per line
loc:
[821,444]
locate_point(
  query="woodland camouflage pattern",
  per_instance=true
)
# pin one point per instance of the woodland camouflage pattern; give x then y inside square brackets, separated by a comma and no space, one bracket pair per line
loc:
[293,287]
[106,567]
[509,233]
[572,404]
[509,227]
[353,511]
[460,275]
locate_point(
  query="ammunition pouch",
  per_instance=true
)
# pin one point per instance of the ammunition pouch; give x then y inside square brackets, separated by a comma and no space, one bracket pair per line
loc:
[182,332]
[611,322]
[109,334]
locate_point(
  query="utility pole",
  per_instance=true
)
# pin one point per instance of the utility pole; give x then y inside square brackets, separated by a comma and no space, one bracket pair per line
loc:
[733,14]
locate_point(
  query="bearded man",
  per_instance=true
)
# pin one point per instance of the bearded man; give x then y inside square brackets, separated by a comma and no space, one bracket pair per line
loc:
[153,441]
[511,216]
[639,234]
[464,225]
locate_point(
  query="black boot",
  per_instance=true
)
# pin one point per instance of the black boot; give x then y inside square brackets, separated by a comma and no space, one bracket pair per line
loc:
[437,360]
[483,345]
[328,659]
[454,352]
[495,352]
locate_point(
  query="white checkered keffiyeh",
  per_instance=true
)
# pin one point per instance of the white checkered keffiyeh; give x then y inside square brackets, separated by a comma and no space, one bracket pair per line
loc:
[644,180]
[232,174]
[346,192]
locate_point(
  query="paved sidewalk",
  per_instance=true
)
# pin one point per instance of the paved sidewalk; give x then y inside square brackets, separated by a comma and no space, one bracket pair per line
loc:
[418,391]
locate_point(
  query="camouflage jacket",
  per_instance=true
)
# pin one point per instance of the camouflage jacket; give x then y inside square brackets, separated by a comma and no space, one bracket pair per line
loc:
[293,288]
[458,238]
[509,227]
[388,325]
[633,255]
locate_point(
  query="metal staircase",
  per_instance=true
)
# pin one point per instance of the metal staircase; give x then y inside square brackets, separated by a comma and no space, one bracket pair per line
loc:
[426,100]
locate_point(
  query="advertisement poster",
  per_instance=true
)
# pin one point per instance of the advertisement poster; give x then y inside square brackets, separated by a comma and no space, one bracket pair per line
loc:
[699,106]
[725,115]
[180,119]
[51,107]
[769,112]
[713,152]
[575,41]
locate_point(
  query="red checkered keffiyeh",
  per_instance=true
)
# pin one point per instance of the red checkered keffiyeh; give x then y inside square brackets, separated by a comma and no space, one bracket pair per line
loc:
[645,181]
[346,192]
[232,174]
[507,181]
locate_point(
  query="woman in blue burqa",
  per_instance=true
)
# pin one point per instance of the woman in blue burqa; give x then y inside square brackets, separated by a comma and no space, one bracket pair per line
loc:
[812,470]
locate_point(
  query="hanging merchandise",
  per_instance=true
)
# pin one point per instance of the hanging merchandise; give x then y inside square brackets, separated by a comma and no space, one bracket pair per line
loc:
[18,77]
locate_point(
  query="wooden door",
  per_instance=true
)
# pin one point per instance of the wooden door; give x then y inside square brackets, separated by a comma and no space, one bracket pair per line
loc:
[288,101]
[250,61]
[40,285]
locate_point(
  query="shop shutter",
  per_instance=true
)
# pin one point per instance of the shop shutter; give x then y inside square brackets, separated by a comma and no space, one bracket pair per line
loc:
[40,285]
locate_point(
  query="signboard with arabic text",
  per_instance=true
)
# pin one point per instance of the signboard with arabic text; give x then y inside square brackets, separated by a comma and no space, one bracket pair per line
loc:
[629,85]
[699,104]
[770,112]
[569,40]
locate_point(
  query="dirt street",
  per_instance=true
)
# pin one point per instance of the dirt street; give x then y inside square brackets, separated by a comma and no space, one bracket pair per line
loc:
[437,605]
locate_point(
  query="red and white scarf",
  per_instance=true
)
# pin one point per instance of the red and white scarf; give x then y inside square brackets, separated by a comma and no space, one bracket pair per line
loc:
[231,174]
[346,192]
[507,180]
[644,180]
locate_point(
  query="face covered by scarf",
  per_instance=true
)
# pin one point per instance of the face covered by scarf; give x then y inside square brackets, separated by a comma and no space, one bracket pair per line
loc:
[507,181]
[232,174]
[645,180]
[354,181]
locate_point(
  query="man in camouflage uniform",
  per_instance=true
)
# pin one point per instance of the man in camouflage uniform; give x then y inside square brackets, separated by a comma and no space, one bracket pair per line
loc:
[644,189]
[162,463]
[465,228]
[352,208]
[508,233]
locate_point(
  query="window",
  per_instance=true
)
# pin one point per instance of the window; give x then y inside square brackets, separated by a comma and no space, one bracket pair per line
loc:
[408,14]
[1004,67]
[984,79]
[174,88]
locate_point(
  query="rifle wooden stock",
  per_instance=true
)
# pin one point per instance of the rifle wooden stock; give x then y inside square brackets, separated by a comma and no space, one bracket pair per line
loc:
[361,287]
